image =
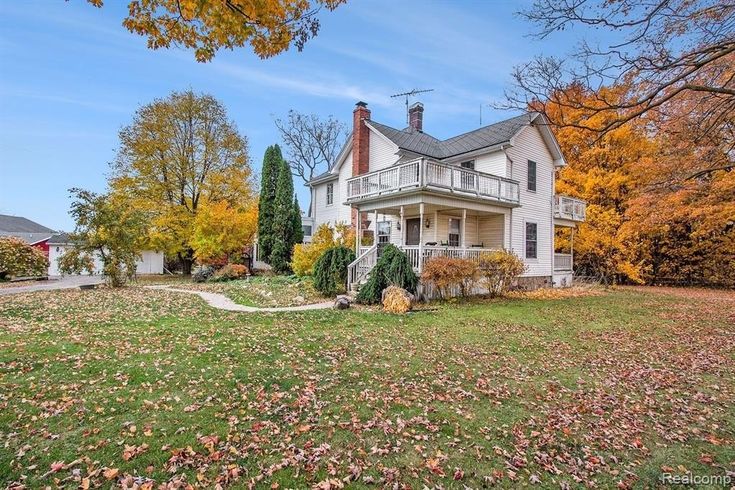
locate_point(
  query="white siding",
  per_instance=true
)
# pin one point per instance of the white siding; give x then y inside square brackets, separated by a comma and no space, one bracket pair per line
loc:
[382,153]
[336,212]
[492,163]
[535,206]
[150,262]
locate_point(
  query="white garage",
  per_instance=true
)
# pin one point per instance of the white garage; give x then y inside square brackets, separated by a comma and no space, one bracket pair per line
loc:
[150,262]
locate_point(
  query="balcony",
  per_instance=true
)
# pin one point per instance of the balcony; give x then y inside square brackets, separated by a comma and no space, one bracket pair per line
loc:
[423,174]
[563,262]
[569,208]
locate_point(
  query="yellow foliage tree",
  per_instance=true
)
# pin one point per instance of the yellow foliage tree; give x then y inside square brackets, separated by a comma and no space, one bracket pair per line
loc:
[179,154]
[270,27]
[221,230]
[325,237]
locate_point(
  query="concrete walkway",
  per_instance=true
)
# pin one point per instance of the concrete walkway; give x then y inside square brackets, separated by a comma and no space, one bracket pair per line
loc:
[222,302]
[65,282]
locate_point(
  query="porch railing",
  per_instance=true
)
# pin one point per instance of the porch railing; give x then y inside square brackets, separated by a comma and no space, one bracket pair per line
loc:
[569,208]
[562,262]
[414,253]
[429,174]
[362,265]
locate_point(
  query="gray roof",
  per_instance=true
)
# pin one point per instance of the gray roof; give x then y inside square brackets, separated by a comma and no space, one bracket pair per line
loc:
[18,224]
[29,238]
[323,176]
[23,228]
[59,239]
[425,144]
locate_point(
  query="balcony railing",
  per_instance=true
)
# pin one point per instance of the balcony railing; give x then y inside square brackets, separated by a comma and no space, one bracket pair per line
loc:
[569,208]
[562,262]
[428,174]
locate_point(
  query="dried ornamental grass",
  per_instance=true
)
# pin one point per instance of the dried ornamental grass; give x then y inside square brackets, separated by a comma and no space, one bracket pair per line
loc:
[396,300]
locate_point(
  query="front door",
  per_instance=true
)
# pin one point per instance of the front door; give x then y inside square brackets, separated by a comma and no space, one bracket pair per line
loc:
[413,231]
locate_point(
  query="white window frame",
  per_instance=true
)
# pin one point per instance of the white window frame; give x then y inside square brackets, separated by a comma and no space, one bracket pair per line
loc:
[330,193]
[535,175]
[525,239]
[459,231]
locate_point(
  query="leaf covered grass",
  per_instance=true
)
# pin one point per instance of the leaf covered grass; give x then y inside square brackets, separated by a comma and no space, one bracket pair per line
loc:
[153,387]
[264,291]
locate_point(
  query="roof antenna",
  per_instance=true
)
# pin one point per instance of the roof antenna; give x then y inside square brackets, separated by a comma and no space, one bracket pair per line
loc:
[412,93]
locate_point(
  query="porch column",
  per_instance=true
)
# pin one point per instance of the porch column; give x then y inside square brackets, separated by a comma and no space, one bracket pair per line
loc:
[402,228]
[357,234]
[464,227]
[571,248]
[375,227]
[421,237]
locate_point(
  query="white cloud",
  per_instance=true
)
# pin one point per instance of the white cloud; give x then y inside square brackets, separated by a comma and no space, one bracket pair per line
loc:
[308,83]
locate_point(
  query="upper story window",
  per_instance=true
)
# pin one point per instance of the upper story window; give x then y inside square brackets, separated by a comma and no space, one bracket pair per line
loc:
[469,164]
[531,175]
[531,240]
[330,194]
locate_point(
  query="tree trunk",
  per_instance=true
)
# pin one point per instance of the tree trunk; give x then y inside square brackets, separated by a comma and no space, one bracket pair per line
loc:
[187,261]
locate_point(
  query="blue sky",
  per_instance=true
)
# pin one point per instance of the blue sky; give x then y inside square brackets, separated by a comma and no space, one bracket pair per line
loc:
[71,76]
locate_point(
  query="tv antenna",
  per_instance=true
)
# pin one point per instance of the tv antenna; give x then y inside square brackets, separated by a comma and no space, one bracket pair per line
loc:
[412,93]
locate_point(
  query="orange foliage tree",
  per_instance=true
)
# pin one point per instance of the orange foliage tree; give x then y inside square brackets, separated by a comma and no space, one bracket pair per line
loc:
[653,215]
[270,27]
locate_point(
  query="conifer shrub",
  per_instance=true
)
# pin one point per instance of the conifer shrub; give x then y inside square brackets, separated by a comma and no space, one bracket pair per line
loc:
[330,270]
[392,269]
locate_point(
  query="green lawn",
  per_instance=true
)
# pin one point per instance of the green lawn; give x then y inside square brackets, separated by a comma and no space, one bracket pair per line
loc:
[142,386]
[264,291]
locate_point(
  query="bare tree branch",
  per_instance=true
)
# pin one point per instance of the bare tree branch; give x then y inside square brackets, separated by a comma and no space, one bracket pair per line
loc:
[312,143]
[659,52]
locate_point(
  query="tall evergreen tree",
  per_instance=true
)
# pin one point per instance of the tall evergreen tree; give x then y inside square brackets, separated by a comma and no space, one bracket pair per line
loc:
[282,235]
[298,230]
[272,163]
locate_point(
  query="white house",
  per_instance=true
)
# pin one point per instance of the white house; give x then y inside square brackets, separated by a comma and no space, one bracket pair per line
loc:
[150,262]
[491,188]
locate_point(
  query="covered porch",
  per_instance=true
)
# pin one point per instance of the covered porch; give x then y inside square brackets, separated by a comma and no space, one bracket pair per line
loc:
[429,227]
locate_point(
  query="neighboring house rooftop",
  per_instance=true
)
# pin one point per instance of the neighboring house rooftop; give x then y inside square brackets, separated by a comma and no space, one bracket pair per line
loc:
[484,137]
[23,228]
[59,239]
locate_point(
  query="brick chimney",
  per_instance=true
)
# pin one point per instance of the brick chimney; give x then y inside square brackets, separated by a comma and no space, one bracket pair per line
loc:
[360,139]
[360,152]
[416,116]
